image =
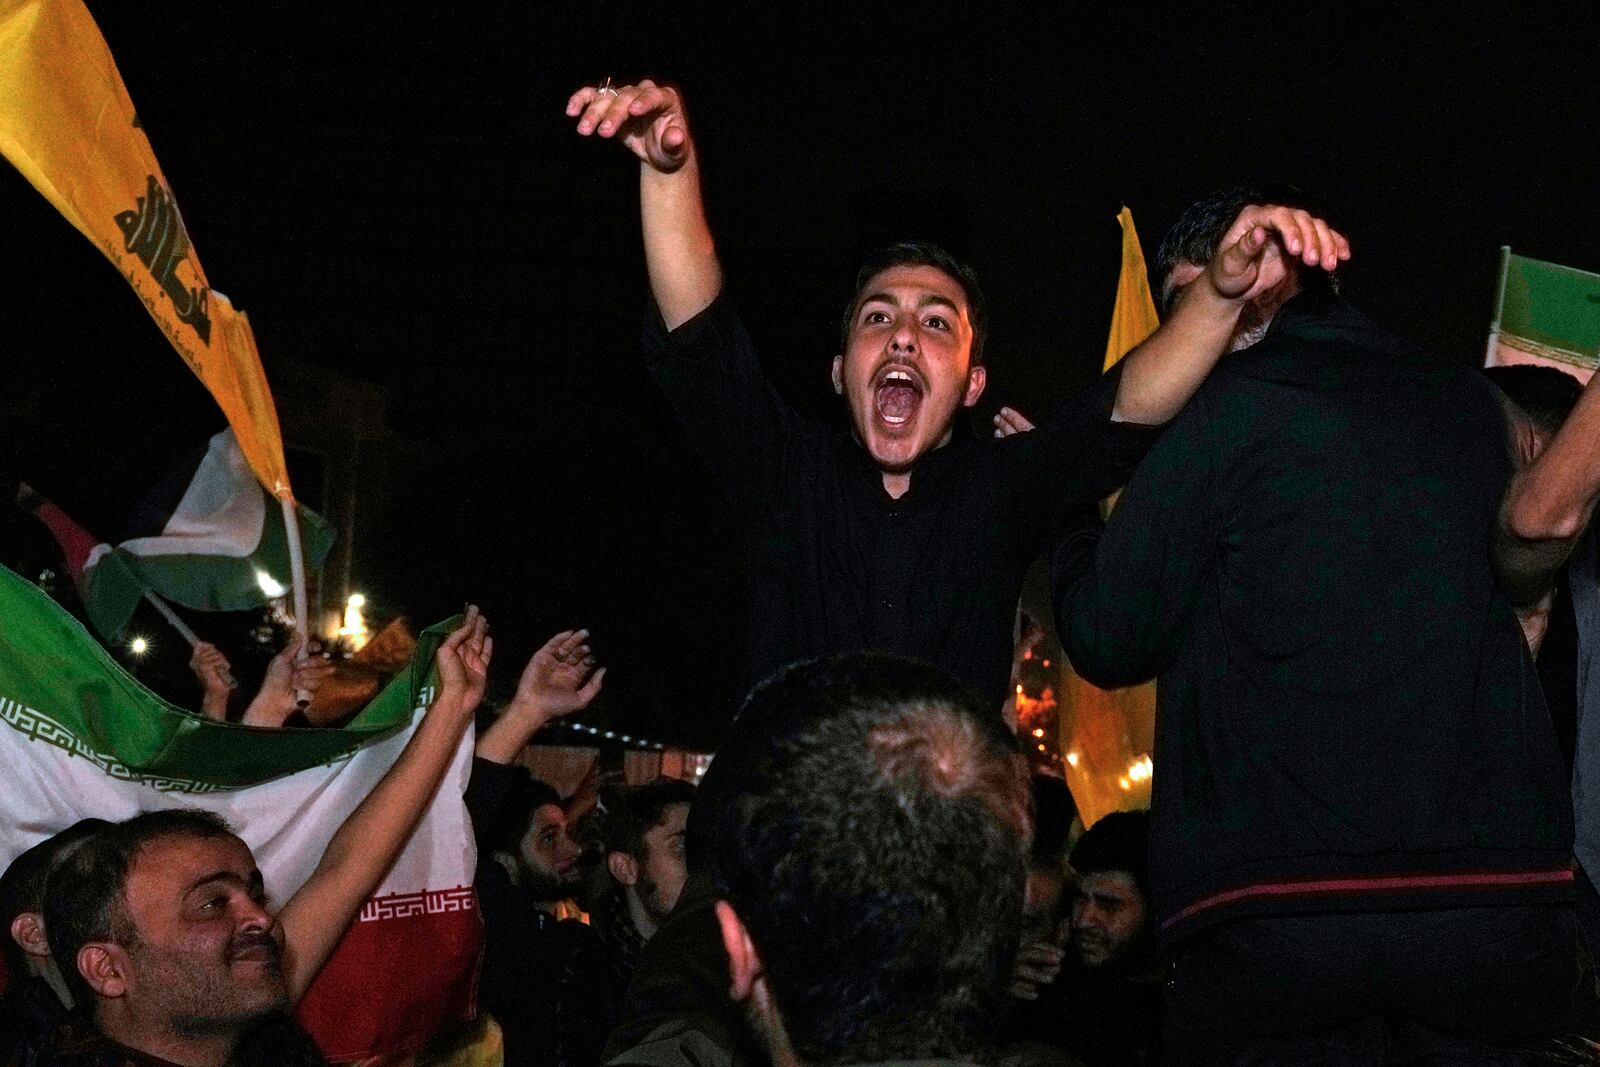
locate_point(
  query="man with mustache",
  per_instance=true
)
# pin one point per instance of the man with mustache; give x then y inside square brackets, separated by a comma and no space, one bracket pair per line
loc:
[162,927]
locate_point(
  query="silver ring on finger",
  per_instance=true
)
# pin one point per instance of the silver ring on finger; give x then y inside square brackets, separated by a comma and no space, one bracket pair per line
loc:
[605,87]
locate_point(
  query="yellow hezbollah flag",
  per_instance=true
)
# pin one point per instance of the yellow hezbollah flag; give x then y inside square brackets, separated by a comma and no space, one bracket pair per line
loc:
[1134,317]
[67,124]
[1109,732]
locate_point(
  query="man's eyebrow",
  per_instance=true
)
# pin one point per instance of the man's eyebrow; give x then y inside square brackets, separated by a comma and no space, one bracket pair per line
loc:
[222,876]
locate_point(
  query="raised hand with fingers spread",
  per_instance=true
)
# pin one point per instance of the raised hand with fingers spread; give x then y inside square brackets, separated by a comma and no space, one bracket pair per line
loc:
[561,678]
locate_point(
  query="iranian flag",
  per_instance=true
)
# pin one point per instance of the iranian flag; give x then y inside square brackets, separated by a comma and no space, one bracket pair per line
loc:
[80,737]
[208,537]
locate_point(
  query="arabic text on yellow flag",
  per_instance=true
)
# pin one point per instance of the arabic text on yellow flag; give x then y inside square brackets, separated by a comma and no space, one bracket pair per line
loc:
[67,124]
[1134,317]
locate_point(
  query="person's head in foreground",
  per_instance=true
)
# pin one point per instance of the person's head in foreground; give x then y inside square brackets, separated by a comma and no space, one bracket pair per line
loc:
[911,354]
[1540,399]
[22,890]
[1110,899]
[1206,226]
[162,926]
[870,867]
[644,839]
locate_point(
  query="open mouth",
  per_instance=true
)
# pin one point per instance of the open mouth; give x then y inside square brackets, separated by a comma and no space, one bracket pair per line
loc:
[897,397]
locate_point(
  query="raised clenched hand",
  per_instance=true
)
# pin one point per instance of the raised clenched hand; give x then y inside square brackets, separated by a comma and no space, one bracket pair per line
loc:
[647,118]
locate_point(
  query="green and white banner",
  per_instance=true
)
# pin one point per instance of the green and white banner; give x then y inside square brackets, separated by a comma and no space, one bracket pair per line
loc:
[80,737]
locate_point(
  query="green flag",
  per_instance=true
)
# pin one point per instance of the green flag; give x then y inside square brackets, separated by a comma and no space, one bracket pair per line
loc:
[1547,311]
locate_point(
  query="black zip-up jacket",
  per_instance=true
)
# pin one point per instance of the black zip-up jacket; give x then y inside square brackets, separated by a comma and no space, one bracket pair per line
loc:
[1348,717]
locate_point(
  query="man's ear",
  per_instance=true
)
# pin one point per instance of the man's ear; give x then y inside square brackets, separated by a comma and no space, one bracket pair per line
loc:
[27,930]
[977,378]
[838,374]
[744,966]
[105,967]
[623,867]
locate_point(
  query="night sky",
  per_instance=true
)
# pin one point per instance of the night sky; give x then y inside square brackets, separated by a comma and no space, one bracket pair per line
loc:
[393,193]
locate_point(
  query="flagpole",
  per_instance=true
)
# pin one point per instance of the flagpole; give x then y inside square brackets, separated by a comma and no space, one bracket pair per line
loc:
[297,577]
[183,629]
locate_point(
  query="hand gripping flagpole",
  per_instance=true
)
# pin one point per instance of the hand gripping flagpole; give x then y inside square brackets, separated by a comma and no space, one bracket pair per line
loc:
[297,577]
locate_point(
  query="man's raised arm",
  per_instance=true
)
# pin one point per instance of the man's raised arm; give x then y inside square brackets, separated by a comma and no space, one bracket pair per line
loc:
[365,847]
[1253,257]
[1548,504]
[650,122]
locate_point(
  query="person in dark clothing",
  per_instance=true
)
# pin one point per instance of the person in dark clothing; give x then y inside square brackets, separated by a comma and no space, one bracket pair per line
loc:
[545,979]
[1360,828]
[1546,541]
[37,997]
[1104,1007]
[646,867]
[902,533]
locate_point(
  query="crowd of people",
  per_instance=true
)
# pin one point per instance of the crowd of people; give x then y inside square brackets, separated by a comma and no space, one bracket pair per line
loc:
[1370,838]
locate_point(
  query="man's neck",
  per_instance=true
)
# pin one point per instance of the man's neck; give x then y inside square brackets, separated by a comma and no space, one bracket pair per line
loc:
[896,485]
[163,1040]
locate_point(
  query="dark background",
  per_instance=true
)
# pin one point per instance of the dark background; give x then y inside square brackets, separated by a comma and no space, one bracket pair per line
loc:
[393,193]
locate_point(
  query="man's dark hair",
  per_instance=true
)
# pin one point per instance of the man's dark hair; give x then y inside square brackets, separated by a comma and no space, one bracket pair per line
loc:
[85,896]
[23,883]
[524,796]
[637,810]
[1199,230]
[1054,812]
[1544,394]
[922,254]
[871,829]
[1118,842]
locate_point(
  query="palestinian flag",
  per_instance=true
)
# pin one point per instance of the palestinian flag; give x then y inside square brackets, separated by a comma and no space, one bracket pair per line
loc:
[208,537]
[80,737]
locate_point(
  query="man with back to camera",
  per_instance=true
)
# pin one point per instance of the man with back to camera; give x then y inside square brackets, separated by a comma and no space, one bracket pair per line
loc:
[1358,790]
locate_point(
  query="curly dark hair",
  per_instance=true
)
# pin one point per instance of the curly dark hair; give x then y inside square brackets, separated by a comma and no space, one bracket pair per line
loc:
[871,830]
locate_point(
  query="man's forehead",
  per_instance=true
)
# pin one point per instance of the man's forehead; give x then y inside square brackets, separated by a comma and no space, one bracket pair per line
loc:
[673,818]
[1108,883]
[916,281]
[178,860]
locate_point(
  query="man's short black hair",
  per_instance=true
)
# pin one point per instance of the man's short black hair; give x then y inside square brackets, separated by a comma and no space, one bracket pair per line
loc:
[871,824]
[1118,842]
[922,254]
[85,896]
[1544,394]
[638,809]
[1199,230]
[524,796]
[22,886]
[1054,812]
